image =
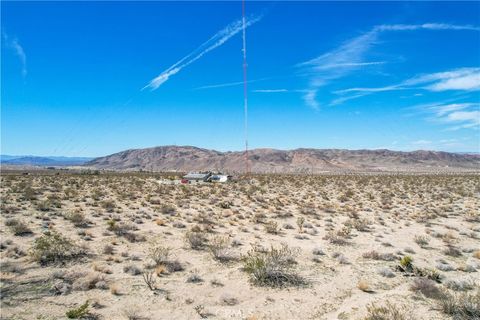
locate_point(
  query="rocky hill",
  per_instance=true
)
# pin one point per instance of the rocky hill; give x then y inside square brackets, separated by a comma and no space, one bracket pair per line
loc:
[187,158]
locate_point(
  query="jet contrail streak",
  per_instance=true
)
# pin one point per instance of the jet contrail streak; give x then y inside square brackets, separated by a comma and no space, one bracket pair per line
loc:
[215,41]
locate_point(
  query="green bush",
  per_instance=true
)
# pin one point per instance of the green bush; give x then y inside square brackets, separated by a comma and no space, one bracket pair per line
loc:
[53,247]
[274,267]
[79,312]
[406,262]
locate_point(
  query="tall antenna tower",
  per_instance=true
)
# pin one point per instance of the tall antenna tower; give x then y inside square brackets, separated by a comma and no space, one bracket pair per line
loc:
[245,92]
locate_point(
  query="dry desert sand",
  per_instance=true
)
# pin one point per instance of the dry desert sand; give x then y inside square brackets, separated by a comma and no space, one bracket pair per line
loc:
[128,246]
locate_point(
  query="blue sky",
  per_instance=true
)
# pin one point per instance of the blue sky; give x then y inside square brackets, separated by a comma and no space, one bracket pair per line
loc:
[90,79]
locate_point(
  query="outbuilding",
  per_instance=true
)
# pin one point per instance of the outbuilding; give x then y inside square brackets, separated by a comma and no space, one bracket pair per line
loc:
[196,177]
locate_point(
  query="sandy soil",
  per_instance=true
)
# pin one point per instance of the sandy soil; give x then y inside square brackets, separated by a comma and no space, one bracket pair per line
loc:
[343,235]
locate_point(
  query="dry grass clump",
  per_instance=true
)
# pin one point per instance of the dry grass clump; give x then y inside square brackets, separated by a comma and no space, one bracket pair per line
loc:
[90,281]
[159,254]
[196,239]
[273,268]
[476,254]
[132,269]
[426,287]
[77,218]
[388,311]
[18,227]
[339,237]
[460,285]
[219,247]
[463,306]
[364,286]
[53,247]
[421,240]
[378,256]
[271,227]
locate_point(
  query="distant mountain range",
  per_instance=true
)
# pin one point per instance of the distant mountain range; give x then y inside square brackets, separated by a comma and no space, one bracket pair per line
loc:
[42,161]
[187,158]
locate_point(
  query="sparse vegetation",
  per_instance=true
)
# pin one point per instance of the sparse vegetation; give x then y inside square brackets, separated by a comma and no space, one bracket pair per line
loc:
[149,238]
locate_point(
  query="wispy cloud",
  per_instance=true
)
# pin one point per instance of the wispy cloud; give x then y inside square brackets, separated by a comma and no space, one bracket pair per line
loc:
[455,115]
[18,50]
[228,84]
[467,119]
[270,90]
[214,42]
[351,55]
[462,79]
[425,26]
[441,110]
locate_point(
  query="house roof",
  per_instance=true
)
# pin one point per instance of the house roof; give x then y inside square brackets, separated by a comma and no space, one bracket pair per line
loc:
[193,175]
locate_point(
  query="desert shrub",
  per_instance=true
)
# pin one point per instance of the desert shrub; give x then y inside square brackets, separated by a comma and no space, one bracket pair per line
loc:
[108,249]
[386,272]
[18,227]
[460,285]
[132,269]
[220,249]
[300,222]
[444,266]
[77,218]
[159,254]
[274,267]
[79,312]
[426,287]
[271,227]
[422,241]
[225,204]
[428,273]
[194,277]
[358,224]
[463,306]
[227,299]
[378,256]
[388,311]
[53,247]
[168,209]
[452,251]
[44,205]
[90,281]
[406,262]
[108,205]
[338,237]
[196,240]
[149,279]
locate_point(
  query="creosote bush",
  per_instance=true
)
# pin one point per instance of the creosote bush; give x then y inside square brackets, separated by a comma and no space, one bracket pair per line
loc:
[273,268]
[53,247]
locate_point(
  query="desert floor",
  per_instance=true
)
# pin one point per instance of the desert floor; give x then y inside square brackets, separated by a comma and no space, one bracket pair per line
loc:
[267,247]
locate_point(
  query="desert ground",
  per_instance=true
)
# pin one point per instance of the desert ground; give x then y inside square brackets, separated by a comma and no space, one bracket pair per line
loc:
[341,246]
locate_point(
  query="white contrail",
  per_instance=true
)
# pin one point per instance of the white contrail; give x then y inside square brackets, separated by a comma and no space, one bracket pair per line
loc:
[215,41]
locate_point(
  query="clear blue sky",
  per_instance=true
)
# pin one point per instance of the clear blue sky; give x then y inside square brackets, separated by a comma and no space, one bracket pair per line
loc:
[402,76]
